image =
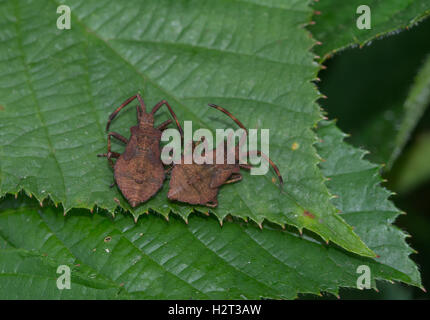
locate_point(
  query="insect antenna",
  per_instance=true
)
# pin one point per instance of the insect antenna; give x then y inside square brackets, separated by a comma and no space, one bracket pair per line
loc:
[142,104]
[113,115]
[164,102]
[272,164]
[240,124]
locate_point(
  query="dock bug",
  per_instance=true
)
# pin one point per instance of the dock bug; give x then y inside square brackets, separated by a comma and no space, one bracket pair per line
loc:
[139,171]
[199,184]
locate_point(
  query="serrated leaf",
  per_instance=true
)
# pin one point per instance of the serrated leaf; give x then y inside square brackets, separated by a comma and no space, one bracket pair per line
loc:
[58,87]
[364,203]
[378,82]
[156,259]
[336,26]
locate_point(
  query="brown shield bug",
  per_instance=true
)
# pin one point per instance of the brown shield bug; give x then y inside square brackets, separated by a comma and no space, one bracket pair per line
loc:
[199,183]
[139,172]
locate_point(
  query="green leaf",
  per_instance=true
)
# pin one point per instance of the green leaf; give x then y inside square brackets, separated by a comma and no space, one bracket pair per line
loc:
[58,87]
[156,259]
[336,26]
[19,267]
[367,90]
[353,178]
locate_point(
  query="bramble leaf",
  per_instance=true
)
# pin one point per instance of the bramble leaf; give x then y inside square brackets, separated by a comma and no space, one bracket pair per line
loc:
[57,88]
[380,92]
[156,259]
[336,25]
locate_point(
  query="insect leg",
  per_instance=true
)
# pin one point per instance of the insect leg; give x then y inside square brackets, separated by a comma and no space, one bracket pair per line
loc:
[120,138]
[164,125]
[112,155]
[109,153]
[245,166]
[109,156]
[212,204]
[164,102]
[113,115]
[117,136]
[167,171]
[234,178]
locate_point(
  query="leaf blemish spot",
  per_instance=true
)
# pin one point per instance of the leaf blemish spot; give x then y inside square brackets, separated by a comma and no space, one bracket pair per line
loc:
[295,146]
[107,239]
[308,214]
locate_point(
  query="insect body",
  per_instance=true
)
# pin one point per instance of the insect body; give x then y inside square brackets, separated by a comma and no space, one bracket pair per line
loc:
[139,172]
[199,183]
